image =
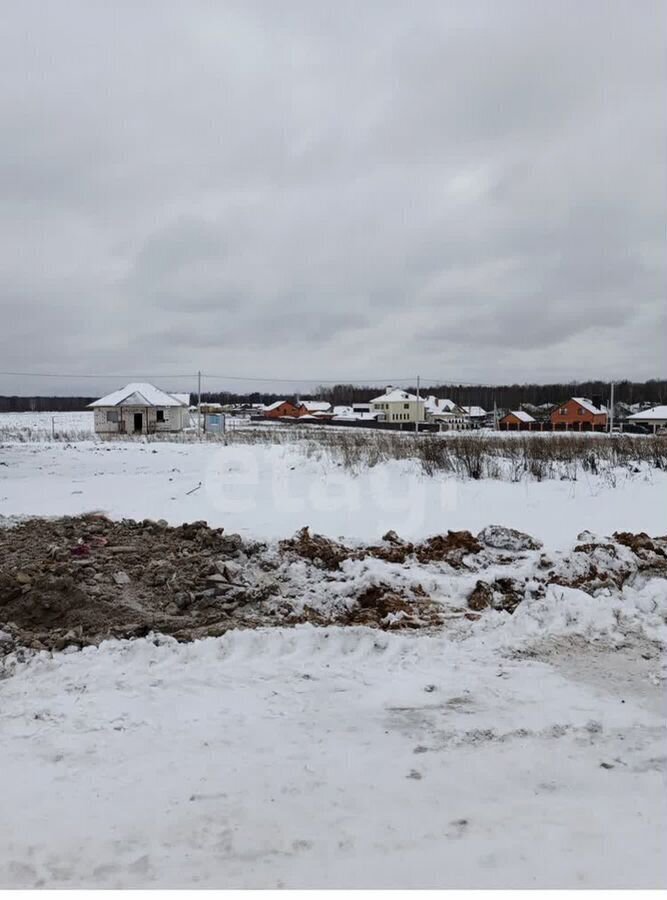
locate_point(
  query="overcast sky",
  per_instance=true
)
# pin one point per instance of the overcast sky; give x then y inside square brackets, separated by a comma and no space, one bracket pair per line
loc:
[347,190]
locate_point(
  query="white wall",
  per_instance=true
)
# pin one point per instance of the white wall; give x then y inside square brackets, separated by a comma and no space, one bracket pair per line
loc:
[174,419]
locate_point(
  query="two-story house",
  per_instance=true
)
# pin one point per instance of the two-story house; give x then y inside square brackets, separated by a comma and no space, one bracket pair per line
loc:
[396,405]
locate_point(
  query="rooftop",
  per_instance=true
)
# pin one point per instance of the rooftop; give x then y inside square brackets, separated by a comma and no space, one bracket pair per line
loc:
[658,413]
[590,407]
[521,415]
[141,394]
[395,395]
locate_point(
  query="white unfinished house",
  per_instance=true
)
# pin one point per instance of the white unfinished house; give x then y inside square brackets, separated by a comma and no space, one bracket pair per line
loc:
[141,409]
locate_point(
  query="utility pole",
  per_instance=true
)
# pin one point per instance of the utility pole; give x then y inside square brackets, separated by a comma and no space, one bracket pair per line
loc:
[611,410]
[417,418]
[199,405]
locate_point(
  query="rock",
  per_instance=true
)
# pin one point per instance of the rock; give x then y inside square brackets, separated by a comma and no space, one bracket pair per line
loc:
[23,578]
[501,538]
[234,541]
[507,594]
[230,570]
[481,597]
[5,637]
[121,578]
[392,538]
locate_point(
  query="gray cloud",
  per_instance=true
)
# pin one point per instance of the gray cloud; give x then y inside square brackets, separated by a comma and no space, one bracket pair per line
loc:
[333,190]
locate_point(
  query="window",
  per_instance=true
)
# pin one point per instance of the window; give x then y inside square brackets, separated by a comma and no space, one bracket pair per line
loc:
[112,415]
[580,411]
[160,415]
[406,406]
[563,412]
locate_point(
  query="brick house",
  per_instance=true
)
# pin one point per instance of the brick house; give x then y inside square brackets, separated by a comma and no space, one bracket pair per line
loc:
[281,408]
[516,420]
[578,414]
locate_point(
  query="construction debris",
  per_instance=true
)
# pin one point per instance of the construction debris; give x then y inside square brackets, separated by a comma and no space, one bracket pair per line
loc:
[75,581]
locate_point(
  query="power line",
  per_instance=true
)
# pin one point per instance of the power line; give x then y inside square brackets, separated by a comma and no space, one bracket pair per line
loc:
[298,380]
[244,378]
[86,375]
[411,379]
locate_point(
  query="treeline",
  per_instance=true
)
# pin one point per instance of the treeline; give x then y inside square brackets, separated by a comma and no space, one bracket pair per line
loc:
[44,404]
[509,396]
[506,396]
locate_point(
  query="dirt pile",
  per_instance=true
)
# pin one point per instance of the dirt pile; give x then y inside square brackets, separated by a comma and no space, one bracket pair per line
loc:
[503,594]
[76,581]
[79,580]
[328,554]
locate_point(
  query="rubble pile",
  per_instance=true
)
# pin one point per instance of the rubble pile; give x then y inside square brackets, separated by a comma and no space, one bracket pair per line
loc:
[328,554]
[75,581]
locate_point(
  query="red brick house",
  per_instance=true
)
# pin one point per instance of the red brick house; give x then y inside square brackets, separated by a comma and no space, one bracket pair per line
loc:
[281,408]
[516,420]
[578,414]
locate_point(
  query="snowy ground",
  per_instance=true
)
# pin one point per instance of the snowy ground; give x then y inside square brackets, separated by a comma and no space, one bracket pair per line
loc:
[332,758]
[526,751]
[271,491]
[39,425]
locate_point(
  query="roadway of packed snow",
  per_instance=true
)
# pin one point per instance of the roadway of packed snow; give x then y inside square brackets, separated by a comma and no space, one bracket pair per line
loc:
[334,758]
[272,491]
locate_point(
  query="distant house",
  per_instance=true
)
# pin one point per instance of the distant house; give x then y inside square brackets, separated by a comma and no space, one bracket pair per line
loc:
[360,412]
[540,412]
[516,420]
[655,418]
[141,409]
[396,405]
[281,408]
[213,409]
[476,413]
[310,407]
[579,414]
[446,413]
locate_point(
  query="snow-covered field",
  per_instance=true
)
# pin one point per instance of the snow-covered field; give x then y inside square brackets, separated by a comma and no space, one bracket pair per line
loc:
[40,425]
[271,491]
[526,750]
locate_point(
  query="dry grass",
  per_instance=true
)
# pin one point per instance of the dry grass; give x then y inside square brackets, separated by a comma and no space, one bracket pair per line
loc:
[475,455]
